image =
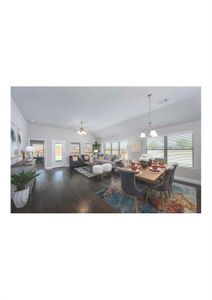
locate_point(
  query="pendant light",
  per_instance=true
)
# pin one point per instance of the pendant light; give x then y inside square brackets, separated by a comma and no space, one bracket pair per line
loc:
[152,132]
[82,129]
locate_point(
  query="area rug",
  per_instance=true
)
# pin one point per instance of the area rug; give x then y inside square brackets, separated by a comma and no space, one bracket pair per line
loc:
[125,204]
[86,171]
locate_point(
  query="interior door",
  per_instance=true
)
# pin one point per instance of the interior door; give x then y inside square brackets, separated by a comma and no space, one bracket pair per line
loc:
[58,153]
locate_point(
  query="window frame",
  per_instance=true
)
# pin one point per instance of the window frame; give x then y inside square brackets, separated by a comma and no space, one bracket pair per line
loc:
[166,149]
[75,143]
[86,153]
[192,149]
[119,149]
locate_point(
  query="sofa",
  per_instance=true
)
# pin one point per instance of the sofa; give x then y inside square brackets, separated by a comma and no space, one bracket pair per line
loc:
[114,160]
[76,161]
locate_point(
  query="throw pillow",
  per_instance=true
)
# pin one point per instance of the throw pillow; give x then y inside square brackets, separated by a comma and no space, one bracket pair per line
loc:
[75,158]
[86,157]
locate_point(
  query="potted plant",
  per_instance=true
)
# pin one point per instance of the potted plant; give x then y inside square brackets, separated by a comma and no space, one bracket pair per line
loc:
[96,146]
[20,180]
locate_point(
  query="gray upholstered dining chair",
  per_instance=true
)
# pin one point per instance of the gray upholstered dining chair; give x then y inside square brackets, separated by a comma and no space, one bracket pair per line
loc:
[175,165]
[129,185]
[163,187]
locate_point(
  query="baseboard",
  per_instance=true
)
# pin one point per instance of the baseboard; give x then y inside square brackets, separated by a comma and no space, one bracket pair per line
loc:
[189,180]
[48,168]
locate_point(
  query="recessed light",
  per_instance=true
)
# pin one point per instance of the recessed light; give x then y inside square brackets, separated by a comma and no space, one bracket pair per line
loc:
[32,121]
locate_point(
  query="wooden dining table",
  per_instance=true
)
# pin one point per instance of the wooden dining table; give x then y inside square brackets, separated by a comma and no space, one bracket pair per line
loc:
[149,176]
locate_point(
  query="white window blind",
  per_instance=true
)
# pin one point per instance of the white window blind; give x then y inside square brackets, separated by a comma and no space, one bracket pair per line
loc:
[180,149]
[155,147]
[75,148]
[88,148]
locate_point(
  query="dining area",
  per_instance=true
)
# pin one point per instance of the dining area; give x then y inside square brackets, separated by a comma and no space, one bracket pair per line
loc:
[140,179]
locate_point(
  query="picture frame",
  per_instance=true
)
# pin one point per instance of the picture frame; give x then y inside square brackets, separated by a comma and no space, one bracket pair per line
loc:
[14,141]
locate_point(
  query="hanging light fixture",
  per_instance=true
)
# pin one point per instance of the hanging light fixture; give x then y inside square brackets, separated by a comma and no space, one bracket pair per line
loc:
[152,132]
[82,129]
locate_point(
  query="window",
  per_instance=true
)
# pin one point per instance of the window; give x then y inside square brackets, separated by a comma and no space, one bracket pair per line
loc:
[180,149]
[88,148]
[115,148]
[75,148]
[123,147]
[107,148]
[155,147]
[58,152]
[176,147]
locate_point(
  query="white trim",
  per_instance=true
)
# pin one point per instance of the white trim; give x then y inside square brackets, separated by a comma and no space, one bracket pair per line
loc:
[189,180]
[45,148]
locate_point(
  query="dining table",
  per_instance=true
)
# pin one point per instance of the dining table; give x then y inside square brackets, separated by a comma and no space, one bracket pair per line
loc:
[147,175]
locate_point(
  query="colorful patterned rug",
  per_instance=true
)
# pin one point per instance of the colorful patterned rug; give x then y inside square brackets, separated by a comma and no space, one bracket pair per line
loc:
[178,204]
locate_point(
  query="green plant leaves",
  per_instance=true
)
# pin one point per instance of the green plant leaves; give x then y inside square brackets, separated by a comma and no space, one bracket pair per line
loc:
[20,180]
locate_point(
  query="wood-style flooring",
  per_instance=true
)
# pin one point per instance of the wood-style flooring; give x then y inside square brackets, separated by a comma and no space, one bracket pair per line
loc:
[63,190]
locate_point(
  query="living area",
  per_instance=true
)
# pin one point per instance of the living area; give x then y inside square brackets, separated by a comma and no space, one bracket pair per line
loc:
[106,149]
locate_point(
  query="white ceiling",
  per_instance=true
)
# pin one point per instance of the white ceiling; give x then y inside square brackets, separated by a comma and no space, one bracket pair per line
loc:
[103,107]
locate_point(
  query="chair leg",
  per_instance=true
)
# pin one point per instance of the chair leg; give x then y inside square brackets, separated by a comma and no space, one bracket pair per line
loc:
[147,197]
[170,193]
[136,204]
[162,200]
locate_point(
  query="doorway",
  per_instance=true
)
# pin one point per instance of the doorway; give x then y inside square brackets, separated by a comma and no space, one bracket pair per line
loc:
[38,153]
[58,153]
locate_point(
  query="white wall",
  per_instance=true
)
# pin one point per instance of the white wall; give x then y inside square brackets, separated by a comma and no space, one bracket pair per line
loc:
[18,120]
[190,174]
[53,133]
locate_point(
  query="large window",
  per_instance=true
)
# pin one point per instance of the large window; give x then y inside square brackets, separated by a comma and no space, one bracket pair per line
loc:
[155,147]
[180,149]
[123,148]
[75,148]
[107,148]
[176,147]
[117,148]
[88,148]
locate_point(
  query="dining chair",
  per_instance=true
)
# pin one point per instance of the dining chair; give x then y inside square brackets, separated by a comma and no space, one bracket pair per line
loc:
[175,165]
[163,187]
[129,185]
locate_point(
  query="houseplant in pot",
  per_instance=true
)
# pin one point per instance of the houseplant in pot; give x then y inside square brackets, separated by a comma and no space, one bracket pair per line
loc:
[20,180]
[96,146]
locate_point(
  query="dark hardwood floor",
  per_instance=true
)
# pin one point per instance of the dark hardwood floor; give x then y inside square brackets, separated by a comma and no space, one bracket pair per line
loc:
[63,190]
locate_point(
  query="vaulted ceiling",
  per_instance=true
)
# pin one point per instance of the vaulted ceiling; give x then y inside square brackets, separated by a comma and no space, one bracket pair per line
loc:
[107,108]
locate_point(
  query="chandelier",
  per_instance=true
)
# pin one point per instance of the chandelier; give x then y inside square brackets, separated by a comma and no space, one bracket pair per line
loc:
[152,132]
[82,129]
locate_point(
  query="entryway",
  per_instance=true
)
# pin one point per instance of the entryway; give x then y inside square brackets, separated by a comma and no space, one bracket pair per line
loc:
[58,153]
[39,152]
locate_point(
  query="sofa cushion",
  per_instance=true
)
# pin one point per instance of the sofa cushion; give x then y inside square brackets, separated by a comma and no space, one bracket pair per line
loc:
[75,158]
[107,157]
